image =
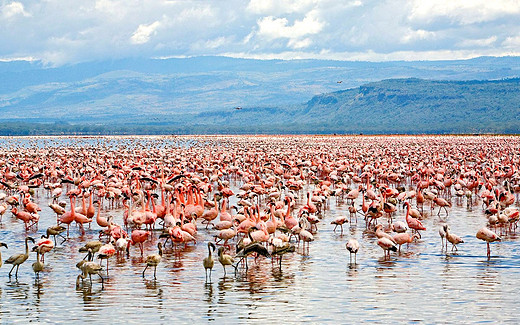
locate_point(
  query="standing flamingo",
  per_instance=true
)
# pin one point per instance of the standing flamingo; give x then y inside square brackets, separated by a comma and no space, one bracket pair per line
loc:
[224,259]
[44,245]
[452,238]
[412,222]
[209,261]
[38,265]
[105,252]
[139,237]
[18,259]
[488,236]
[387,245]
[353,247]
[404,238]
[154,260]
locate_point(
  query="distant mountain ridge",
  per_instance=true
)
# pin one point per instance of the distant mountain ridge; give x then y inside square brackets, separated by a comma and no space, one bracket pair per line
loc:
[390,106]
[199,95]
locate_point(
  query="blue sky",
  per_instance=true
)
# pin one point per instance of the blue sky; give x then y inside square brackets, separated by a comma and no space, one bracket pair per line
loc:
[61,32]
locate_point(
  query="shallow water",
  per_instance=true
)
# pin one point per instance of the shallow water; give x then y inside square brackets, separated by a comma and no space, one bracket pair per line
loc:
[421,284]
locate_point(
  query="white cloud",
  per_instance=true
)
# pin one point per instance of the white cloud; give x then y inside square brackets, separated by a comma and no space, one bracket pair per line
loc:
[278,7]
[13,9]
[512,42]
[463,11]
[144,32]
[372,56]
[481,42]
[414,35]
[216,43]
[68,31]
[299,44]
[273,28]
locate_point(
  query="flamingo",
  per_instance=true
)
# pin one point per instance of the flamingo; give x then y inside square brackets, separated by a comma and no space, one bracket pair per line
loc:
[339,221]
[387,245]
[304,234]
[105,252]
[226,234]
[224,259]
[139,237]
[91,247]
[209,261]
[402,238]
[381,234]
[27,218]
[154,260]
[353,247]
[38,265]
[442,233]
[211,214]
[452,238]
[68,216]
[122,245]
[44,245]
[18,259]
[399,226]
[87,269]
[488,236]
[413,223]
[442,203]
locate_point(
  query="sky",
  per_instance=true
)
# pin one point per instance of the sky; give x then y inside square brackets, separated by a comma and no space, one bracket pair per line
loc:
[58,32]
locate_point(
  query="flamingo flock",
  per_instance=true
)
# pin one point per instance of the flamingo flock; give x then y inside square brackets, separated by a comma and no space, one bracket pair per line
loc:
[253,197]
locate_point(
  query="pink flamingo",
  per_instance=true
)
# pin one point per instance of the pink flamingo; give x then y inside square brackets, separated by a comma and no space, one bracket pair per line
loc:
[68,216]
[44,245]
[404,238]
[387,245]
[106,251]
[488,236]
[413,223]
[139,237]
[27,218]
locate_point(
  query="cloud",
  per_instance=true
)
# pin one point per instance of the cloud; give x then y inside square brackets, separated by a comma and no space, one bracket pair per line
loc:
[420,34]
[512,42]
[482,42]
[13,9]
[144,32]
[463,12]
[272,28]
[279,7]
[68,31]
[299,44]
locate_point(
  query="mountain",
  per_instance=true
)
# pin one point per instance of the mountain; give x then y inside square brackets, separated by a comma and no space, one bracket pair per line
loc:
[198,95]
[388,106]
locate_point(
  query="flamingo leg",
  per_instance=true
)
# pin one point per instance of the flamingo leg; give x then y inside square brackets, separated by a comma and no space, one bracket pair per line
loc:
[102,281]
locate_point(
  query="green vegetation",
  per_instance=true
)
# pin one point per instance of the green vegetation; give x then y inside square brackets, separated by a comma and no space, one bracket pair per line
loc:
[407,106]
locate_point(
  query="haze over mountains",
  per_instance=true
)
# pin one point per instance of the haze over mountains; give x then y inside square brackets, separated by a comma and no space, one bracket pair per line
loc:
[200,95]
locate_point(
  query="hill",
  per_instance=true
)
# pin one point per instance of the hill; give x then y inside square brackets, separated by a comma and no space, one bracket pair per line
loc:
[198,95]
